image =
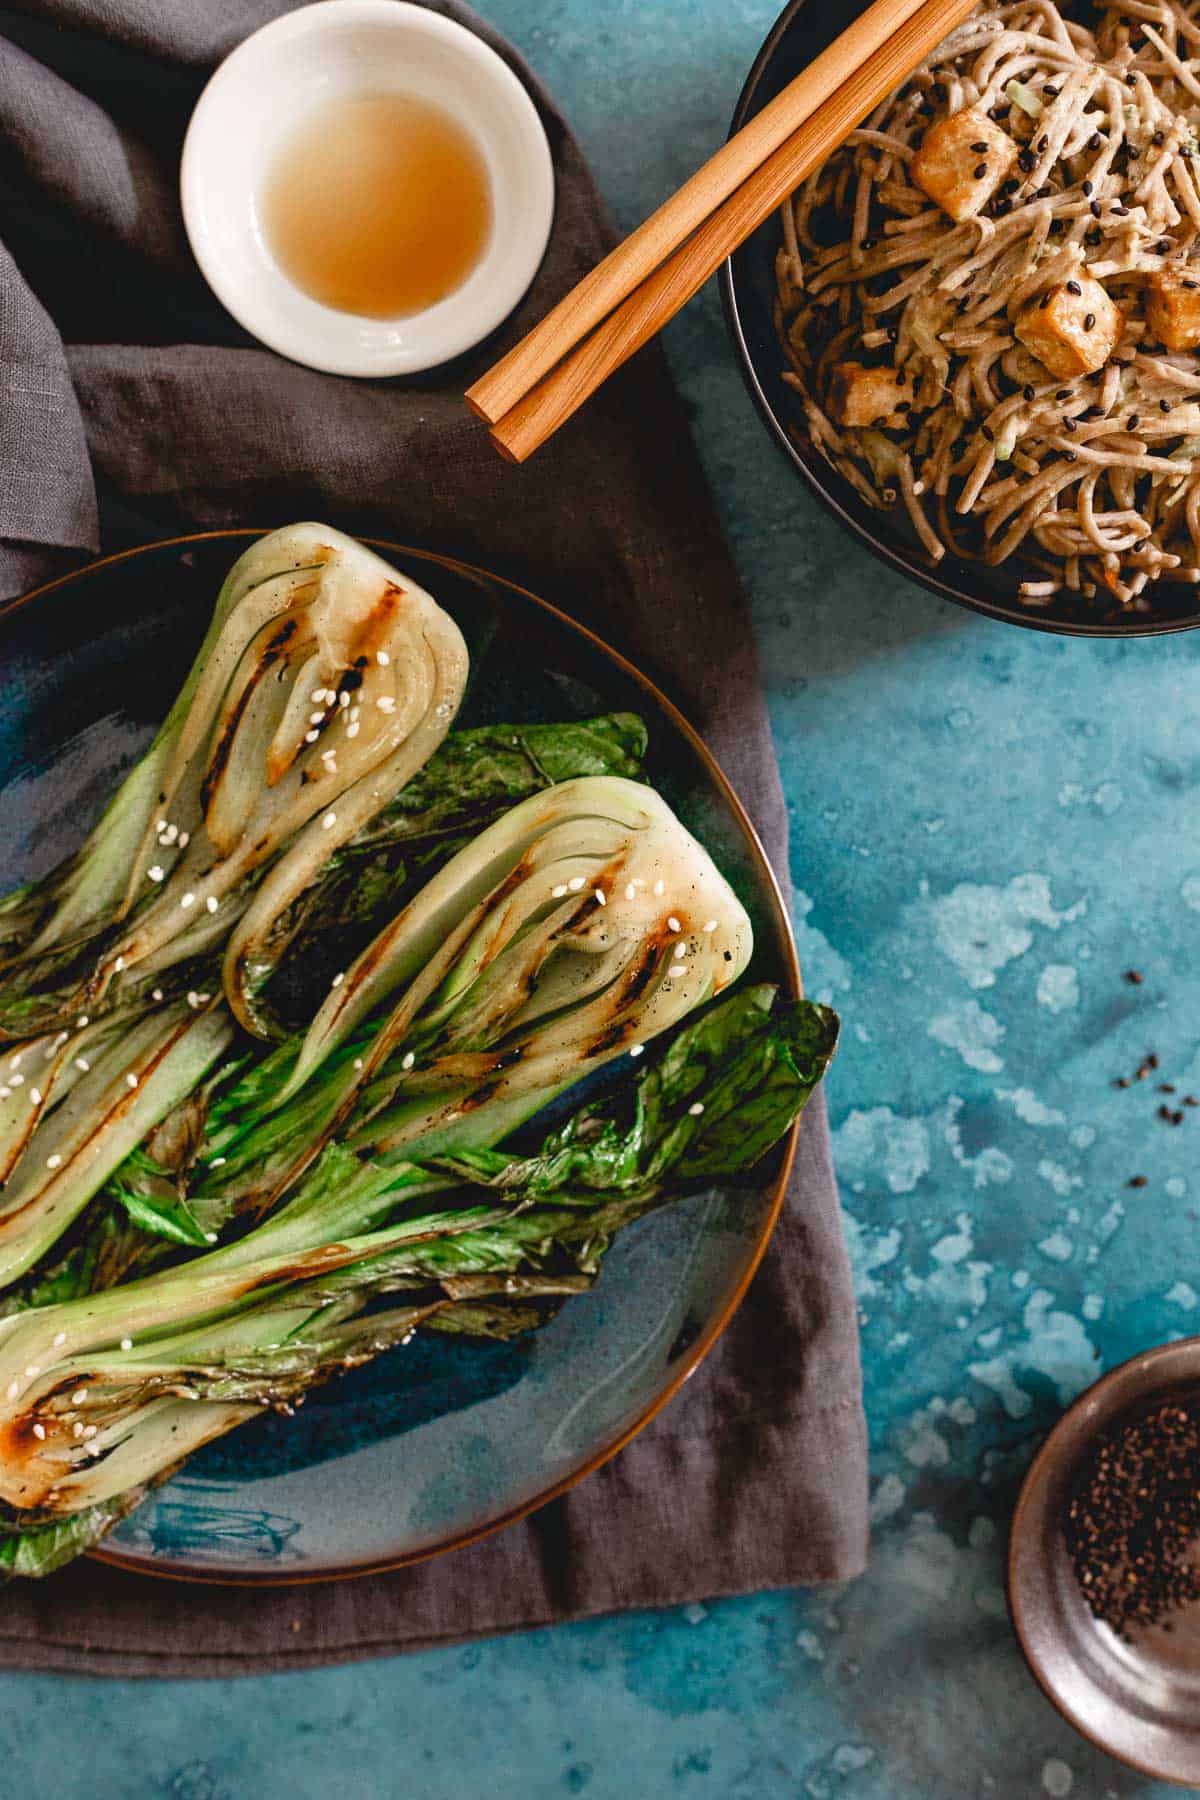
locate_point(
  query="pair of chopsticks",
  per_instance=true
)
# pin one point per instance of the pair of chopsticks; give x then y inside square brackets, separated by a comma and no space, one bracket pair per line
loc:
[643,283]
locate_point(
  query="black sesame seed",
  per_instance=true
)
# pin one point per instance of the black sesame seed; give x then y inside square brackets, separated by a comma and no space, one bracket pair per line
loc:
[1028,392]
[1160,137]
[1070,425]
[1073,287]
[1133,153]
[1095,209]
[1122,212]
[1165,247]
[1043,141]
[981,171]
[1164,406]
[988,433]
[1062,393]
[1070,456]
[1089,321]
[1095,141]
[1026,160]
[1138,1181]
[1133,421]
[1131,80]
[1188,284]
[1092,237]
[1087,187]
[979,149]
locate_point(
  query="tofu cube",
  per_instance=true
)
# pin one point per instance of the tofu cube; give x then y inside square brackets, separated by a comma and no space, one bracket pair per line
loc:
[1072,329]
[962,161]
[862,396]
[1173,307]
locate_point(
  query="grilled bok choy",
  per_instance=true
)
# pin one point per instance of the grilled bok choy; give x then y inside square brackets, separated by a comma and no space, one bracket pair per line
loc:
[99,1397]
[325,682]
[577,927]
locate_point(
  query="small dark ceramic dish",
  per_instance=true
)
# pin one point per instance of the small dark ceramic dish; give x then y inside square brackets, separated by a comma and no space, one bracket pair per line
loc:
[432,1446]
[800,33]
[1138,1701]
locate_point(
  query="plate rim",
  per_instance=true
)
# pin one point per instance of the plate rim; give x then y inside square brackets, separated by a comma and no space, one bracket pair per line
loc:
[697,1352]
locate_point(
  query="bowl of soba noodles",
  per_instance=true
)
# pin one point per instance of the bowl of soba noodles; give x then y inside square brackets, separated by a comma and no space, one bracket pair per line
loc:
[975,330]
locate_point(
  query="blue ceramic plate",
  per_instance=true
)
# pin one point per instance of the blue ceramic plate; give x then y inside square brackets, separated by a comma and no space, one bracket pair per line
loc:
[445,1439]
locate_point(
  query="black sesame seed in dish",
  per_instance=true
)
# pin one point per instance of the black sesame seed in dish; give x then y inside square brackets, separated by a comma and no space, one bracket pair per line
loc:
[1067,280]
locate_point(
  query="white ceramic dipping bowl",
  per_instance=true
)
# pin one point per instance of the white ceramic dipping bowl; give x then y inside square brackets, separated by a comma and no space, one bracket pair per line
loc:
[261,95]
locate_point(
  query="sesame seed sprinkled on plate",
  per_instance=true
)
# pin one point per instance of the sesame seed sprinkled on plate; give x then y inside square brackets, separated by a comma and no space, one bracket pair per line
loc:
[54,1162]
[353,730]
[556,893]
[408,1060]
[316,718]
[119,964]
[673,924]
[127,1343]
[329,821]
[155,872]
[338,979]
[188,900]
[310,737]
[39,1431]
[575,883]
[212,903]
[677,968]
[160,824]
[636,1049]
[81,1062]
[35,1095]
[131,1079]
[600,898]
[157,994]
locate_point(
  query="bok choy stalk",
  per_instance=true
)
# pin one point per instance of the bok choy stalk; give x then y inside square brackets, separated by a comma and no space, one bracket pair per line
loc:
[577,927]
[469,781]
[100,1395]
[327,681]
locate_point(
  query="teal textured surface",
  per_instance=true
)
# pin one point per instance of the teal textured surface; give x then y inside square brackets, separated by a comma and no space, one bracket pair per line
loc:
[989,827]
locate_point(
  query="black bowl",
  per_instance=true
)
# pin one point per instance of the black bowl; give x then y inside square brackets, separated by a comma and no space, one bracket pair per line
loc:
[748,292]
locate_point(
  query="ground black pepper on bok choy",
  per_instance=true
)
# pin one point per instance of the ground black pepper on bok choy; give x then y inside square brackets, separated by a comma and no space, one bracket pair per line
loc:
[266,1108]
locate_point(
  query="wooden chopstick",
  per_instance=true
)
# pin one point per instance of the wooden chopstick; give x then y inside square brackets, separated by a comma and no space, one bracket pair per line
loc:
[577,366]
[614,279]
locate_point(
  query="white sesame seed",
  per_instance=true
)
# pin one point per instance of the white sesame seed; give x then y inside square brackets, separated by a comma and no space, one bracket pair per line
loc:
[575,883]
[79,1396]
[60,1337]
[709,925]
[660,888]
[155,872]
[677,968]
[218,1162]
[598,894]
[5,1093]
[157,994]
[184,837]
[169,836]
[358,1062]
[442,709]
[385,703]
[193,998]
[54,1162]
[32,1370]
[680,952]
[316,718]
[329,821]
[131,1079]
[630,891]
[636,1049]
[127,1343]
[673,924]
[81,1062]
[119,964]
[35,1095]
[337,980]
[310,737]
[407,1060]
[353,730]
[212,903]
[343,698]
[188,900]
[89,1431]
[638,881]
[16,1060]
[210,1237]
[13,1389]
[39,1431]
[696,1108]
[317,695]
[556,893]
[15,1080]
[382,658]
[77,1431]
[160,824]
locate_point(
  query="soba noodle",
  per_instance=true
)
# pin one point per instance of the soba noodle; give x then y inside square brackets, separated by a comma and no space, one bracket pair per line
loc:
[1092,480]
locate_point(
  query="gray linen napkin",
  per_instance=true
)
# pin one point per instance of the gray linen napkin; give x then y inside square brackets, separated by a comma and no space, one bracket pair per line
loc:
[132,407]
